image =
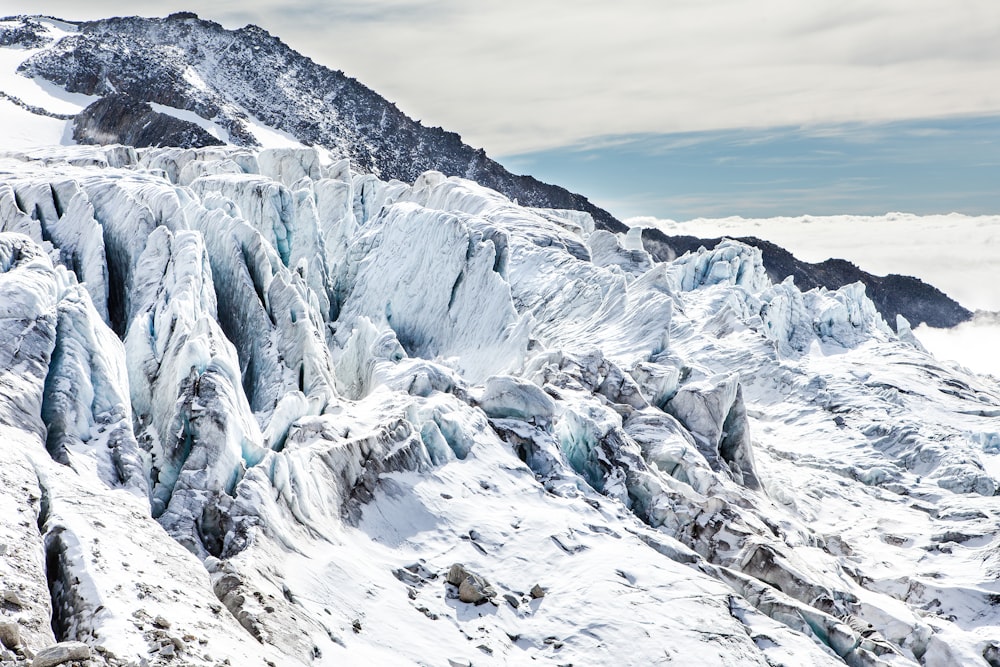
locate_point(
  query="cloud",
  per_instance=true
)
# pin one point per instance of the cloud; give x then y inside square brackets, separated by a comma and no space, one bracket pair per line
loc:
[972,344]
[522,75]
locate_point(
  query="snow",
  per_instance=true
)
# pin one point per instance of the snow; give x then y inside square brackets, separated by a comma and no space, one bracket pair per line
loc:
[268,137]
[216,131]
[39,92]
[309,393]
[23,129]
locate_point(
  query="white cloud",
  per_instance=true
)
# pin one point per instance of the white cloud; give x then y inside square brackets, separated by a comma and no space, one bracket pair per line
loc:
[972,344]
[520,75]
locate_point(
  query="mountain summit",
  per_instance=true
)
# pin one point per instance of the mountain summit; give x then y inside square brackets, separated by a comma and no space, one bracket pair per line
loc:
[242,81]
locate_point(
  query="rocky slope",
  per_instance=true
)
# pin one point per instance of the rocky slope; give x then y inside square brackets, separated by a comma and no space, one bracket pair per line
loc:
[257,408]
[226,77]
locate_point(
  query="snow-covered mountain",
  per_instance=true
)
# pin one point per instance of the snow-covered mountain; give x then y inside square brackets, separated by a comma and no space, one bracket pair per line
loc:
[242,87]
[183,81]
[259,407]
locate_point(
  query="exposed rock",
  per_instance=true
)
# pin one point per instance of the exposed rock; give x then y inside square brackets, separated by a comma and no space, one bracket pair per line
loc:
[472,588]
[12,598]
[121,119]
[10,634]
[992,653]
[61,653]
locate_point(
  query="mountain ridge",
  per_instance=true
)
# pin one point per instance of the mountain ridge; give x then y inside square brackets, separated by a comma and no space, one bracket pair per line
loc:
[97,61]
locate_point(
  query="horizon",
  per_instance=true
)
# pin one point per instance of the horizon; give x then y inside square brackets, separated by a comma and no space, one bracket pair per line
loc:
[752,109]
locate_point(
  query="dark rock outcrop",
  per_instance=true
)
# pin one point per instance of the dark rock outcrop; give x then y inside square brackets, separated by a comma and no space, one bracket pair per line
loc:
[30,34]
[121,119]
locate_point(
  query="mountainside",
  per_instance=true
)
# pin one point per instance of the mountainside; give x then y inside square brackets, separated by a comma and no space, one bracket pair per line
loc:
[263,410]
[183,81]
[239,80]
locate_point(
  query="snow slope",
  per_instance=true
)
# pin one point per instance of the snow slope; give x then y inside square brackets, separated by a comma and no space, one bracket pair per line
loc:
[257,407]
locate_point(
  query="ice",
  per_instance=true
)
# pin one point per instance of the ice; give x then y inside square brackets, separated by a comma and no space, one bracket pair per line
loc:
[186,386]
[60,213]
[432,279]
[87,409]
[714,413]
[729,263]
[607,250]
[332,388]
[287,219]
[289,166]
[267,311]
[29,295]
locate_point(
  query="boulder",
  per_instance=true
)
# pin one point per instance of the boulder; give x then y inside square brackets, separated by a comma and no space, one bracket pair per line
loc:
[10,634]
[472,588]
[506,397]
[61,653]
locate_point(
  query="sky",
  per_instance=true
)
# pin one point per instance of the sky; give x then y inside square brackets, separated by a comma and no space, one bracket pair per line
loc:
[676,108]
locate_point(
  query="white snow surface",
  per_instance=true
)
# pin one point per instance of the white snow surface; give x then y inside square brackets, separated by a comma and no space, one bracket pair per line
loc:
[255,406]
[24,129]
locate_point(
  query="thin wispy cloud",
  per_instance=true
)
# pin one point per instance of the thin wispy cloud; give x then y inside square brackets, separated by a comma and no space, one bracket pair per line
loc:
[928,166]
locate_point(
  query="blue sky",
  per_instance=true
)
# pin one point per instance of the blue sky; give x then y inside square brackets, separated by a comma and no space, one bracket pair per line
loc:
[675,107]
[923,166]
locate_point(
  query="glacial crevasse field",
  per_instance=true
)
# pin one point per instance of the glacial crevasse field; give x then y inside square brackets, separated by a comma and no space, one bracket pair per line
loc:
[256,407]
[259,406]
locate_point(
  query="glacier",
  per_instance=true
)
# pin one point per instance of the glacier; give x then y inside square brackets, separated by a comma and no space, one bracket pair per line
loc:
[258,407]
[914,245]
